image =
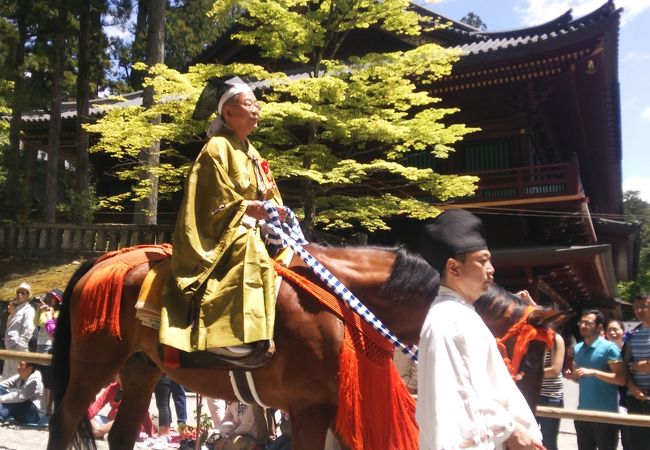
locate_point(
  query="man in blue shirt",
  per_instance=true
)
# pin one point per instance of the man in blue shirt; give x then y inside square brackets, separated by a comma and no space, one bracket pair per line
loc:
[597,370]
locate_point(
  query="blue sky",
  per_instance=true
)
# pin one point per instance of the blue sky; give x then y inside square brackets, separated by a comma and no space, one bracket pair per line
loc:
[634,62]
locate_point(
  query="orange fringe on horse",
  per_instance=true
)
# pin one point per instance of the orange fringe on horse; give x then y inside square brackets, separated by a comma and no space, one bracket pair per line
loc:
[376,410]
[104,290]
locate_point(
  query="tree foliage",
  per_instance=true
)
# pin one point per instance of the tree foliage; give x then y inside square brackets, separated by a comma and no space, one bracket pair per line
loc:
[638,210]
[474,20]
[188,31]
[26,61]
[336,136]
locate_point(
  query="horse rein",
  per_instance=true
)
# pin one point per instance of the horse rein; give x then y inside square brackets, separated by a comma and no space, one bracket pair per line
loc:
[524,333]
[283,239]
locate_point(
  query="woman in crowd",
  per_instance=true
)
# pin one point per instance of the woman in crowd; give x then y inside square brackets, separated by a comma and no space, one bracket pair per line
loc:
[615,332]
[552,391]
[111,395]
[165,389]
[47,312]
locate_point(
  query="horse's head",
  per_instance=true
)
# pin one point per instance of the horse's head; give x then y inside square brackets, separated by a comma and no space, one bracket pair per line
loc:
[523,333]
[410,289]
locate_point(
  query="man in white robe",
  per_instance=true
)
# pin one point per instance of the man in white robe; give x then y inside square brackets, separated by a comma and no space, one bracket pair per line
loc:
[466,397]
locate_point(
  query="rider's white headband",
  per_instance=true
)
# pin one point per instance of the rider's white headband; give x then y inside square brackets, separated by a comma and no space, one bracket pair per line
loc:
[231,92]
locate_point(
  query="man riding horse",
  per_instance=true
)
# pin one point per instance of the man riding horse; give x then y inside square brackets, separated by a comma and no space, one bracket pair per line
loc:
[221,268]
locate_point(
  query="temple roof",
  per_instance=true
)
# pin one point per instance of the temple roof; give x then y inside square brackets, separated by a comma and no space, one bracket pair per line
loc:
[98,107]
[475,42]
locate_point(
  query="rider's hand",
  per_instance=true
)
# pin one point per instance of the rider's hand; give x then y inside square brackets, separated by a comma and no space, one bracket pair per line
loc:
[282,213]
[256,210]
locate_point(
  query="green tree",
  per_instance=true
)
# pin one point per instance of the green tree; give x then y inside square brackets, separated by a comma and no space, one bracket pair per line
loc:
[4,128]
[42,74]
[189,30]
[474,20]
[15,29]
[638,210]
[87,12]
[6,28]
[149,157]
[339,136]
[60,31]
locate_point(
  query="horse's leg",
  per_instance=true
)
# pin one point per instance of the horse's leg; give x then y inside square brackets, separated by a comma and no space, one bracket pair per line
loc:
[84,383]
[138,377]
[309,426]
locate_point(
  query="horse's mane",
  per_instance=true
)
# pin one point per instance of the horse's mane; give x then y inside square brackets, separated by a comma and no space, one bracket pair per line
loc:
[412,279]
[496,301]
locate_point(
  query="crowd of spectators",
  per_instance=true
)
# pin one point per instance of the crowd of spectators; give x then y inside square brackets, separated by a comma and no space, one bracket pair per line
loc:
[611,366]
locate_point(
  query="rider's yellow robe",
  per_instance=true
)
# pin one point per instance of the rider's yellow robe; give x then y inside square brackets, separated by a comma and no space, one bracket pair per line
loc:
[217,258]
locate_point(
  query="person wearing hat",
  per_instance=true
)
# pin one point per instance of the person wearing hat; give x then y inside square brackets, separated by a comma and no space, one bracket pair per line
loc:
[20,328]
[220,264]
[45,319]
[466,397]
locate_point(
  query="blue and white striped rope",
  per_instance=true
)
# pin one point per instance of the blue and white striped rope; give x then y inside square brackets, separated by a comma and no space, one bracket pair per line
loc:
[294,238]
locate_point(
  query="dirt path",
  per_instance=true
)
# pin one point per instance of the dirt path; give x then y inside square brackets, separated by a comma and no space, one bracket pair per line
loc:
[14,437]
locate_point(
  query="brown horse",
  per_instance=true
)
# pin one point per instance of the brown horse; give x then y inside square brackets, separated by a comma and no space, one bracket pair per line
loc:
[300,379]
[502,310]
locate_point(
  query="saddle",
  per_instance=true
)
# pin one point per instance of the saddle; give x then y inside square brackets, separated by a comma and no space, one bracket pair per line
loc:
[148,310]
[259,355]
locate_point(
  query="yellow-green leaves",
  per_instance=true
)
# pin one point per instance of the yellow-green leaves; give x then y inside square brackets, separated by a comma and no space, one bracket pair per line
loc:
[309,31]
[340,135]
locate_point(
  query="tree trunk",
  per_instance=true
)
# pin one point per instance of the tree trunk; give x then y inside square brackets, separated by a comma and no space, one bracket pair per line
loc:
[30,152]
[309,193]
[150,157]
[137,76]
[12,187]
[83,99]
[54,135]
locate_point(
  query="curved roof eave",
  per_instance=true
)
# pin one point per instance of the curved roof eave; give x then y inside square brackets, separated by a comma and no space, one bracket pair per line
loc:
[483,49]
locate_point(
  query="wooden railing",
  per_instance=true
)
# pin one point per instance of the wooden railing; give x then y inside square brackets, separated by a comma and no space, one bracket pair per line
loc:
[527,182]
[60,241]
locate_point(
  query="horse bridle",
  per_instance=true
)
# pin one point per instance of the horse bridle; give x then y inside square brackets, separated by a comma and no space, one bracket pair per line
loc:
[524,333]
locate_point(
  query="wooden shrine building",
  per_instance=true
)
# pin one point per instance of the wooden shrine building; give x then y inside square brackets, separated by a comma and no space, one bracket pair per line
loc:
[548,154]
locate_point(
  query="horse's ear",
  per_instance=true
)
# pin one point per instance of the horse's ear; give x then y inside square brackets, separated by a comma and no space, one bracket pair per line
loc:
[550,318]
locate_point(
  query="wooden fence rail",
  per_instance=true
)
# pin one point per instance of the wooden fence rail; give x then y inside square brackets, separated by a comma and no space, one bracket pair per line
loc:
[635,420]
[44,359]
[60,241]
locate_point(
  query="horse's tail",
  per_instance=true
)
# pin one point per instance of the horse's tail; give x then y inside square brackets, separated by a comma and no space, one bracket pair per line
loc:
[83,438]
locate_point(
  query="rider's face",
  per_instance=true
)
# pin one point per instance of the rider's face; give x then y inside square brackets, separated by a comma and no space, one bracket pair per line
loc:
[242,113]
